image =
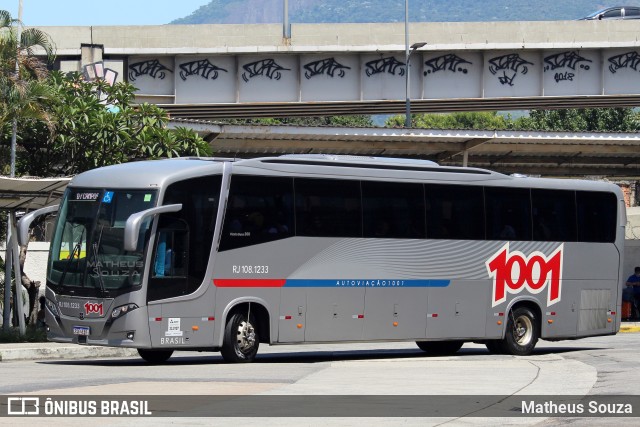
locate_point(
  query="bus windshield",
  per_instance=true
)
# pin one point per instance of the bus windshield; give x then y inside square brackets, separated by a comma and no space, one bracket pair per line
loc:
[87,256]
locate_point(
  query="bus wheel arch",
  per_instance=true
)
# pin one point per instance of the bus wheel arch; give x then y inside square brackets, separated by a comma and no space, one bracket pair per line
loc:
[246,326]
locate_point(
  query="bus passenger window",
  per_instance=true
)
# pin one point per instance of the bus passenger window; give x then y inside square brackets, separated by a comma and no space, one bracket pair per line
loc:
[508,213]
[259,210]
[393,210]
[554,215]
[328,208]
[597,213]
[454,212]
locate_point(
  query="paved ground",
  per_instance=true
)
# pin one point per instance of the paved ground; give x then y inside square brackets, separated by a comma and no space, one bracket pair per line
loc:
[593,366]
[50,350]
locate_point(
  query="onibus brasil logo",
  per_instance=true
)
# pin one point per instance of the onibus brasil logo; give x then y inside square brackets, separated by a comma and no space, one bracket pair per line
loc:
[512,272]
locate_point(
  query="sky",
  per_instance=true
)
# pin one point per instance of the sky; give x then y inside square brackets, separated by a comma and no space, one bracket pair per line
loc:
[110,12]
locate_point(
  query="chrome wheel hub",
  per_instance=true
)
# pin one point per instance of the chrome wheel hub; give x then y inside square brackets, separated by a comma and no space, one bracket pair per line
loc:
[523,330]
[246,336]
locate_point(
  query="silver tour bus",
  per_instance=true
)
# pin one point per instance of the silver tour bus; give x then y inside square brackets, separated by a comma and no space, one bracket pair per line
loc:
[222,255]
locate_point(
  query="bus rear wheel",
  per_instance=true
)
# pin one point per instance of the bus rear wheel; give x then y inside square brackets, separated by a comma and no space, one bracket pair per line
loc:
[440,348]
[155,356]
[241,341]
[522,332]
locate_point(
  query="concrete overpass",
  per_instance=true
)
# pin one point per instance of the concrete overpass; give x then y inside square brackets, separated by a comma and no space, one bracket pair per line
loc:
[212,71]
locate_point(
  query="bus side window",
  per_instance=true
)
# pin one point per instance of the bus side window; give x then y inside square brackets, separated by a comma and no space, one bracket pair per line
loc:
[597,213]
[259,210]
[169,276]
[554,215]
[393,210]
[171,252]
[328,207]
[454,212]
[508,213]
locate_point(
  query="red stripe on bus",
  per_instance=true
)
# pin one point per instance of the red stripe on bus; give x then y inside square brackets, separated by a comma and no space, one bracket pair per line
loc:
[249,283]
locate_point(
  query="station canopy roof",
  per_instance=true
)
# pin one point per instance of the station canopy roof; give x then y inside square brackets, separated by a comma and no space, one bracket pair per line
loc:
[561,154]
[27,193]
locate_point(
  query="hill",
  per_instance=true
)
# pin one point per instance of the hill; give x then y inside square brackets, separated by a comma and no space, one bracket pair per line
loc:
[333,11]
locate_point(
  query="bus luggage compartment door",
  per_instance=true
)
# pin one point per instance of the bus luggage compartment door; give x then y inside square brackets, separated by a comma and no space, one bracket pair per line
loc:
[292,316]
[395,313]
[335,314]
[458,311]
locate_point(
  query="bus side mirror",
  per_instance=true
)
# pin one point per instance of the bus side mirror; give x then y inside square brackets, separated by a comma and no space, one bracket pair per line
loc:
[132,226]
[25,223]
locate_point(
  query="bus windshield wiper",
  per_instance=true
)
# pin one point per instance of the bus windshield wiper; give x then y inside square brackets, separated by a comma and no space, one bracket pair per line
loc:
[76,250]
[96,247]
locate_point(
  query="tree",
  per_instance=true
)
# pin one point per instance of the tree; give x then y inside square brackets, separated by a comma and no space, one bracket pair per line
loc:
[337,121]
[581,120]
[567,120]
[22,73]
[485,120]
[96,125]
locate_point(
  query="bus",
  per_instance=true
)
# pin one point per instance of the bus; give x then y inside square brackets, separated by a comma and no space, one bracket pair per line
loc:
[214,254]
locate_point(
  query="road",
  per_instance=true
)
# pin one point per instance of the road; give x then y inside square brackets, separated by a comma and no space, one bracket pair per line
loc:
[593,366]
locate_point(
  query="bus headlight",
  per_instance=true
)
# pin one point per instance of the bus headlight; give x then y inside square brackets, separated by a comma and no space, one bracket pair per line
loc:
[122,310]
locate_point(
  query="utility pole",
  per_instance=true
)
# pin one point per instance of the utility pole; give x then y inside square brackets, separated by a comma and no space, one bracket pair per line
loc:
[14,134]
[11,241]
[286,28]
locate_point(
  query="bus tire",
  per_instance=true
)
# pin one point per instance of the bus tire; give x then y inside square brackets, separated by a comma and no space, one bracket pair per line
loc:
[155,356]
[522,332]
[440,348]
[241,341]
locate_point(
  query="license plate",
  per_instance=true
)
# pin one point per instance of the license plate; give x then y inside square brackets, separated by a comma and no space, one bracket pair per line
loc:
[81,330]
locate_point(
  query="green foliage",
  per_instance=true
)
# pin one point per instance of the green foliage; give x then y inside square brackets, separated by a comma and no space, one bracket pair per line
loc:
[310,11]
[581,120]
[466,120]
[571,120]
[97,125]
[22,91]
[337,121]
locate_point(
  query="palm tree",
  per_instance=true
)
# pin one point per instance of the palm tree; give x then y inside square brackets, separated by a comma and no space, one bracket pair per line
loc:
[23,90]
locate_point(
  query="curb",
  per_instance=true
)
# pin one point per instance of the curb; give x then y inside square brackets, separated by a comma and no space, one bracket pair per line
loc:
[64,353]
[625,329]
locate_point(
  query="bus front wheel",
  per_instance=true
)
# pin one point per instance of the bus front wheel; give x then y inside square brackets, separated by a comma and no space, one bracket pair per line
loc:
[155,356]
[241,339]
[522,332]
[440,348]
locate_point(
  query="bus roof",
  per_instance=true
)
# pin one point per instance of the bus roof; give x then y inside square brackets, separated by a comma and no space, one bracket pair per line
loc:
[156,173]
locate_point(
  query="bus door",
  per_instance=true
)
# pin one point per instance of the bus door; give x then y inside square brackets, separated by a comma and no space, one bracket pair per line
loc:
[178,270]
[176,323]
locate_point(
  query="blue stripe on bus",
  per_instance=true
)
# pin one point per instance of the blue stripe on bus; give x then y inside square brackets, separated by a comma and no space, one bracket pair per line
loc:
[372,283]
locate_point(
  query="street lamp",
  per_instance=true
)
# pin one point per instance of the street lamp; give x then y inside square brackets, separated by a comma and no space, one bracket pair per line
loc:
[408,53]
